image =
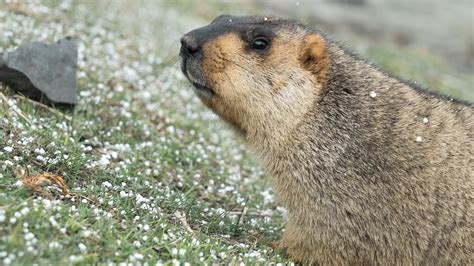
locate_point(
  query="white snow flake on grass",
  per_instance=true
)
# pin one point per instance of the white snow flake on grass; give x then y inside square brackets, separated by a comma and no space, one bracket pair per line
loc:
[82,247]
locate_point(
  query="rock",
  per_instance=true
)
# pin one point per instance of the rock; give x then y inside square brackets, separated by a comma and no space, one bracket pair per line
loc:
[42,72]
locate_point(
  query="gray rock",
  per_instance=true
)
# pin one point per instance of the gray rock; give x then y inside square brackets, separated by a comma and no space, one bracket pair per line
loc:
[37,70]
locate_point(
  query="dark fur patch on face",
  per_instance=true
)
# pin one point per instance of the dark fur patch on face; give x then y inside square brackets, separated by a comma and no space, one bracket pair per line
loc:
[248,28]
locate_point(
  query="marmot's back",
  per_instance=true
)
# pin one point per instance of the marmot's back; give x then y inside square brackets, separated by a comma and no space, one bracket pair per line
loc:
[371,169]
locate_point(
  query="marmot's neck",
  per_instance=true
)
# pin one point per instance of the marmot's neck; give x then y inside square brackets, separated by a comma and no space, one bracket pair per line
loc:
[342,113]
[272,131]
[360,108]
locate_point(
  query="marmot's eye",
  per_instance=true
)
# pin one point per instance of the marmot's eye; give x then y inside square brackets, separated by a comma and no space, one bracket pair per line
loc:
[259,43]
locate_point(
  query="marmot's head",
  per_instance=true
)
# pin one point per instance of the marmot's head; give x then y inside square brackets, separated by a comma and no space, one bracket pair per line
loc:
[259,74]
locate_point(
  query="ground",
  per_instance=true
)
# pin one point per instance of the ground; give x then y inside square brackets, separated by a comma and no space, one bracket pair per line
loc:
[153,176]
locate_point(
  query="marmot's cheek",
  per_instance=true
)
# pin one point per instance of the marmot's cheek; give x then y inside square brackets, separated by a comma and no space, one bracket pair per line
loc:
[213,66]
[219,54]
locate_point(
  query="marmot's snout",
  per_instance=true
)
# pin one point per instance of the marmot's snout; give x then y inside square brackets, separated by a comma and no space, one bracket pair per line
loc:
[189,45]
[190,60]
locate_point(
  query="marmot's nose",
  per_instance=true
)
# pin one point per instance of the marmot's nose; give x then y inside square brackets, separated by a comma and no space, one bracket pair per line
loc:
[189,45]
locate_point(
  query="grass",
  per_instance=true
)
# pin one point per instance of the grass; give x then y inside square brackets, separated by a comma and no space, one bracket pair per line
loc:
[139,153]
[155,178]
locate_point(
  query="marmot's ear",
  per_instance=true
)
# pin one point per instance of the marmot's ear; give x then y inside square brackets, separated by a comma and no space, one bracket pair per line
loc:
[314,56]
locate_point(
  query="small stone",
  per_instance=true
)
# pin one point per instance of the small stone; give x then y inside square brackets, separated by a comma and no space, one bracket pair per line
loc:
[373,94]
[37,69]
[425,120]
[418,139]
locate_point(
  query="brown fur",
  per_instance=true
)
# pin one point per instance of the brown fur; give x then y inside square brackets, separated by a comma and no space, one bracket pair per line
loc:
[365,179]
[315,57]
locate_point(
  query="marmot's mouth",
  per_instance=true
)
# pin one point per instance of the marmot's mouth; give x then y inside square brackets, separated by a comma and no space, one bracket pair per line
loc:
[191,70]
[200,86]
[202,90]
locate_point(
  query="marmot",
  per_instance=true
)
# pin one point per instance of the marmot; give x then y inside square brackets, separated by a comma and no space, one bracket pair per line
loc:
[372,169]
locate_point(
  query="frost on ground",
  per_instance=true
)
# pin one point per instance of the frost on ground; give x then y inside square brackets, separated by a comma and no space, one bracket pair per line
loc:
[137,150]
